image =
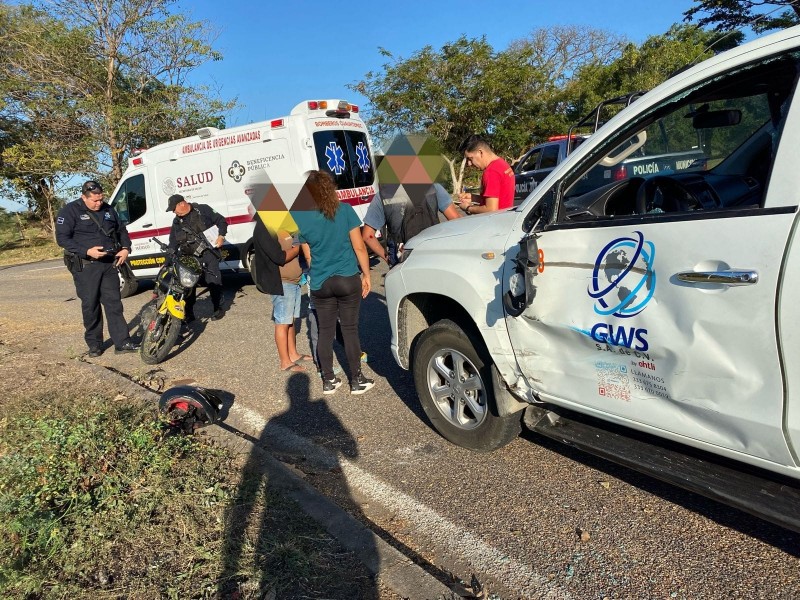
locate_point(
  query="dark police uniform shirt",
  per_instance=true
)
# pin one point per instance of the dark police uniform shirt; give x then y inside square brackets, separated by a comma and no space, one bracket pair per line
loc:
[77,232]
[200,218]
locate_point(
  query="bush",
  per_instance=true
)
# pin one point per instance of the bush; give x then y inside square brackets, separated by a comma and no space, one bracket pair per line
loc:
[92,494]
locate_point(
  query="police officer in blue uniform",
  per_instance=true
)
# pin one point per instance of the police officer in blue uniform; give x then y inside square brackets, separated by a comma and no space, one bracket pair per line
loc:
[197,218]
[95,243]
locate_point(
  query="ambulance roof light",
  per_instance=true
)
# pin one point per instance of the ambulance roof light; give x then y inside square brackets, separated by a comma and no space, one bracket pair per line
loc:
[276,123]
[207,132]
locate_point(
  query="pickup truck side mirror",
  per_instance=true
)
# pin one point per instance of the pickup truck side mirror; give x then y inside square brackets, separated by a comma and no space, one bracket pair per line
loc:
[521,291]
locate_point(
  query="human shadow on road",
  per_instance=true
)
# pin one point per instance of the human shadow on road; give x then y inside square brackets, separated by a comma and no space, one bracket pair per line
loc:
[269,543]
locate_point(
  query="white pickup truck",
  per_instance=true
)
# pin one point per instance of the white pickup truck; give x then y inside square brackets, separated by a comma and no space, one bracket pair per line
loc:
[652,320]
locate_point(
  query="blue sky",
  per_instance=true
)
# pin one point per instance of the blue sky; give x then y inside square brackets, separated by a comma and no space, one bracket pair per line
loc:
[277,54]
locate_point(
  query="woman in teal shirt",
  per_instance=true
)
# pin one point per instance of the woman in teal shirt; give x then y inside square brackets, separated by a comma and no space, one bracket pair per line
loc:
[339,277]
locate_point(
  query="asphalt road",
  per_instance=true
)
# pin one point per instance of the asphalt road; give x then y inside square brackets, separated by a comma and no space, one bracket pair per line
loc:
[512,519]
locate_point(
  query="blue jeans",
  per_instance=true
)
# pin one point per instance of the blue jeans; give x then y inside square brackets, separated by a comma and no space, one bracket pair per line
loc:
[286,308]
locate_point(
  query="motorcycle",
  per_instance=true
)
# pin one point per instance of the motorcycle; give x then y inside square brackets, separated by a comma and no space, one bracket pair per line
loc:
[163,319]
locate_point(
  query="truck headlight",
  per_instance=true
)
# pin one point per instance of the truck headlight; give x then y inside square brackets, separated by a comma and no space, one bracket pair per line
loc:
[404,254]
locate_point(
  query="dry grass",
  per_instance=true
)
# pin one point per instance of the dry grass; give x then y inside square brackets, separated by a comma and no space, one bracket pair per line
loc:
[22,241]
[96,502]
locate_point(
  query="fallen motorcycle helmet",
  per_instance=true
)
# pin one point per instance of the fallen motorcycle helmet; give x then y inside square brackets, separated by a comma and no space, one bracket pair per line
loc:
[189,408]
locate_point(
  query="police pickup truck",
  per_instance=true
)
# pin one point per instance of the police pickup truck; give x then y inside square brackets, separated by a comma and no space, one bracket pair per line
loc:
[539,161]
[648,159]
[650,319]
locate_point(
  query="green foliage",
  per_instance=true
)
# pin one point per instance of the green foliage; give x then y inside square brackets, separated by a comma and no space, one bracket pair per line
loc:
[730,15]
[467,86]
[96,501]
[637,68]
[82,85]
[537,87]
[72,479]
[46,134]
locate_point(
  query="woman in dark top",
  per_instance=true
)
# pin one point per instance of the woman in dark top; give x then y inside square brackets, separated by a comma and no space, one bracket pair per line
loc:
[339,275]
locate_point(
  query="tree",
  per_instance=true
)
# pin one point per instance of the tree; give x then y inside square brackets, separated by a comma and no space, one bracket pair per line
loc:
[136,86]
[730,15]
[467,87]
[45,134]
[640,68]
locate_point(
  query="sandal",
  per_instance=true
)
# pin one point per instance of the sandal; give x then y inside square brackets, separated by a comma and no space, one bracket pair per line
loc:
[294,368]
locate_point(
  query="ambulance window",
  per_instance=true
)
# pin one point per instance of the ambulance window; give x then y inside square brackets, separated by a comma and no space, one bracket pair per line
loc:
[130,201]
[346,156]
[363,171]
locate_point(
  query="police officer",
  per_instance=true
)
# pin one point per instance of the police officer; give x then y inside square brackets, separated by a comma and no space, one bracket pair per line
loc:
[197,218]
[96,243]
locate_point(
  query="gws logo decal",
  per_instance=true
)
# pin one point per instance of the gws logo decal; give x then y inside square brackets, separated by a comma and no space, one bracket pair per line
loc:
[623,283]
[623,279]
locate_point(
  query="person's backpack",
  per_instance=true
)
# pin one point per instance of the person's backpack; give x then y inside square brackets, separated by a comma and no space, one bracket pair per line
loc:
[420,213]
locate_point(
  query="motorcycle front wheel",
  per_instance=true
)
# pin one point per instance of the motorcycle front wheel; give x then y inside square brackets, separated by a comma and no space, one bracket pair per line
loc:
[160,335]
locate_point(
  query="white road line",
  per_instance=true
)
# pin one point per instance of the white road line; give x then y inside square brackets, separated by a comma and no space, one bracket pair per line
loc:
[483,557]
[45,269]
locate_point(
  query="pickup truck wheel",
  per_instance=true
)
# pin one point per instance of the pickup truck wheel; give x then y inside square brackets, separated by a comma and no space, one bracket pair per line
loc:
[454,384]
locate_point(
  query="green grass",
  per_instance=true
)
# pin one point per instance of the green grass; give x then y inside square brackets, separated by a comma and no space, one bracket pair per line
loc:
[96,501]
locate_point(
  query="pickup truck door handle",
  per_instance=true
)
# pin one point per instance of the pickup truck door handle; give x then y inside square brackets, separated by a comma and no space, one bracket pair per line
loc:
[732,277]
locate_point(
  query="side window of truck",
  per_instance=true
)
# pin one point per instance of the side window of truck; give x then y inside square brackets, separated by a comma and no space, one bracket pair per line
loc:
[530,162]
[709,147]
[131,201]
[549,156]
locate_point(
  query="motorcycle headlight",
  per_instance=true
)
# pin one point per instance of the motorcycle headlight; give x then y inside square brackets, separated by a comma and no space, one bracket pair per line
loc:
[188,277]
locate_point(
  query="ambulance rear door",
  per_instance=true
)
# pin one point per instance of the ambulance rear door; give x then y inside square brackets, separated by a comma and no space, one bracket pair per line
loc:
[342,148]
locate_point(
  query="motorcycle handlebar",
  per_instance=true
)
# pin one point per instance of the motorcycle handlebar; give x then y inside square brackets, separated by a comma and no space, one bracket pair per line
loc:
[163,246]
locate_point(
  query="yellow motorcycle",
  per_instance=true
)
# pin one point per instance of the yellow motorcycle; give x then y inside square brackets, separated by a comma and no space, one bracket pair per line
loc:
[162,319]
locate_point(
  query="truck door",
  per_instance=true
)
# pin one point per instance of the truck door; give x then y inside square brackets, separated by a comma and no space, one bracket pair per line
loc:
[655,299]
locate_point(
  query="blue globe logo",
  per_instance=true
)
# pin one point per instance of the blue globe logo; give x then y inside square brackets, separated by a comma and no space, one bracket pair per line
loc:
[623,279]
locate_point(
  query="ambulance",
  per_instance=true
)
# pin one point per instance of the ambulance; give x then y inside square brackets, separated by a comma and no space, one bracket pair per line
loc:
[228,169]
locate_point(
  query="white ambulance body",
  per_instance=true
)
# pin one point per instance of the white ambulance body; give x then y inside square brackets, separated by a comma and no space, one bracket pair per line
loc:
[221,168]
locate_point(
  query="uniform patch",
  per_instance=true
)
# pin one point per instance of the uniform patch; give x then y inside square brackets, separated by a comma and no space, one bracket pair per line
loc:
[60,221]
[84,217]
[107,216]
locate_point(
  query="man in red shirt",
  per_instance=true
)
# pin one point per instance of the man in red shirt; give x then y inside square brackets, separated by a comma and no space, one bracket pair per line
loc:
[497,182]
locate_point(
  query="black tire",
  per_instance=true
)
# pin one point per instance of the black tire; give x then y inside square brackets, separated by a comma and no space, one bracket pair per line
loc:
[251,264]
[449,361]
[160,335]
[188,408]
[128,284]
